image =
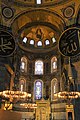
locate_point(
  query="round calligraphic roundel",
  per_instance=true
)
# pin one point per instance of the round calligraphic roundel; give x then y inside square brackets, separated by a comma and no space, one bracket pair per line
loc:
[7,43]
[69,43]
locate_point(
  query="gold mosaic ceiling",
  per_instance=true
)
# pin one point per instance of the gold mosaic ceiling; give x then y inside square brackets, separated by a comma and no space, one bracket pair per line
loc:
[26,17]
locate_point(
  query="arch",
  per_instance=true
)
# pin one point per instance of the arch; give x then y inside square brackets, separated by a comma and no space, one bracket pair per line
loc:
[54,87]
[47,42]
[38,89]
[26,19]
[22,83]
[31,42]
[38,67]
[23,66]
[32,10]
[78,15]
[53,64]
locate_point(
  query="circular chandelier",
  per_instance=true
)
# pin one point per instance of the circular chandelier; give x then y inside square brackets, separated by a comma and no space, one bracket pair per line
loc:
[14,94]
[67,95]
[28,105]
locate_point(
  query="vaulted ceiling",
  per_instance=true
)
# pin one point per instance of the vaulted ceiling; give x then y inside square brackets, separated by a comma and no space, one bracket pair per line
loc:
[50,17]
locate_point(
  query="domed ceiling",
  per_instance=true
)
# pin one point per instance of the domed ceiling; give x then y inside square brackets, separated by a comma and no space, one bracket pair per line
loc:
[38,24]
[35,3]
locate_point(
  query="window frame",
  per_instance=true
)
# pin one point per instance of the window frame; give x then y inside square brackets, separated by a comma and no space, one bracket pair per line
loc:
[54,60]
[42,68]
[25,61]
[38,80]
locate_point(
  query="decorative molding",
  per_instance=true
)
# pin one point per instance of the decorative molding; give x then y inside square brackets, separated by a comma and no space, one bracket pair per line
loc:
[7,12]
[68,12]
[31,3]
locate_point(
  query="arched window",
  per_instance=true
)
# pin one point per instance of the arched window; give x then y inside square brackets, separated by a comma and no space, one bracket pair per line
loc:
[39,43]
[23,66]
[32,42]
[38,67]
[38,89]
[25,39]
[53,64]
[53,39]
[47,42]
[22,84]
[38,1]
[54,88]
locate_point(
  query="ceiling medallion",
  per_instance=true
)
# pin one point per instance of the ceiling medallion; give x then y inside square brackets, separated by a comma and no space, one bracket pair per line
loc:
[7,12]
[7,43]
[68,12]
[69,44]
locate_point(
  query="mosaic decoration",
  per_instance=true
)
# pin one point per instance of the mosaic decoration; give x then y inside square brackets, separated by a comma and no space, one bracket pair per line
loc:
[38,90]
[31,3]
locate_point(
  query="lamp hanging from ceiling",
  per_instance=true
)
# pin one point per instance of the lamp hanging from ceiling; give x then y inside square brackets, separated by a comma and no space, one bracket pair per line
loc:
[68,94]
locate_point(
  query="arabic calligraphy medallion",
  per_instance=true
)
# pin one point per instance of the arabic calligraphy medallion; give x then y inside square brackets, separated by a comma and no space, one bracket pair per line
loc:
[7,43]
[69,43]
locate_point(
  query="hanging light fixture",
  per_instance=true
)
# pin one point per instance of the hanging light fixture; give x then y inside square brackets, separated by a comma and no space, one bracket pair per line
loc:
[13,95]
[29,105]
[18,98]
[68,95]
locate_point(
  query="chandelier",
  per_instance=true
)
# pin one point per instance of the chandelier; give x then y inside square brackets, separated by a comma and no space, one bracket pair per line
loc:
[18,95]
[67,95]
[15,94]
[29,105]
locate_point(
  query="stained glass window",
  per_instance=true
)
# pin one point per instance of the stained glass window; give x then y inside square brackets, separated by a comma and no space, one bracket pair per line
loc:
[38,90]
[39,67]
